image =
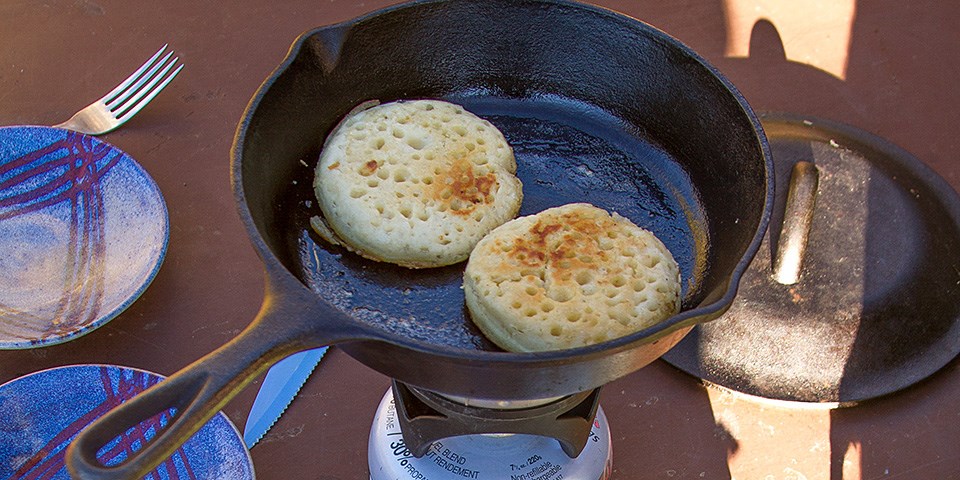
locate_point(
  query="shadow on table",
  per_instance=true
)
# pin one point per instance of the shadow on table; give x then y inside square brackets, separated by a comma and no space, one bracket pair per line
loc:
[878,82]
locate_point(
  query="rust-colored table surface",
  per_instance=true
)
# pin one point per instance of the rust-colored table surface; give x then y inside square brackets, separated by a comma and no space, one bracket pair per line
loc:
[888,67]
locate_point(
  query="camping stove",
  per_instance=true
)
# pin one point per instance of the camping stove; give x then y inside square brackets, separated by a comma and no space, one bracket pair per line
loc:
[422,435]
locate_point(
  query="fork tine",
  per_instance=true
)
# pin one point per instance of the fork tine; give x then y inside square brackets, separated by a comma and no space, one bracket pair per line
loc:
[136,87]
[153,90]
[109,97]
[139,90]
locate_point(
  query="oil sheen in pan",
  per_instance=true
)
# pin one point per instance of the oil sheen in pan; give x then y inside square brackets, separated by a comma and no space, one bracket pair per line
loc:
[566,151]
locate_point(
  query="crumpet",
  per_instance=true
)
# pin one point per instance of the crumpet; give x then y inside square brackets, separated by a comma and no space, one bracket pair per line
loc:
[415,183]
[567,277]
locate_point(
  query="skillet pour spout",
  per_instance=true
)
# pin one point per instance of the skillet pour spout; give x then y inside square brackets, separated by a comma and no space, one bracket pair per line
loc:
[598,107]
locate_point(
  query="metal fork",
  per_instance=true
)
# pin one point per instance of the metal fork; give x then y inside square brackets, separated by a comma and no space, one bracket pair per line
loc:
[123,102]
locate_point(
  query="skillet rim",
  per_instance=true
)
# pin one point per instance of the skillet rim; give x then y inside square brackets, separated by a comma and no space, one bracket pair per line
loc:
[684,319]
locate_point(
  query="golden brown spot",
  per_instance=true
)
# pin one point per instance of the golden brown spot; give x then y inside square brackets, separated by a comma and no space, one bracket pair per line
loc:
[563,243]
[526,253]
[461,187]
[541,231]
[369,168]
[531,250]
[334,166]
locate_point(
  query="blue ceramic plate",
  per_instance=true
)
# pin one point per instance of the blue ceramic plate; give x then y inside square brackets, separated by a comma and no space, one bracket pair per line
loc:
[43,412]
[83,231]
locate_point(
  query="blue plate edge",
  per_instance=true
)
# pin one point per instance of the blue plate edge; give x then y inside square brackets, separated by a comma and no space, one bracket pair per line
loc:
[246,452]
[137,293]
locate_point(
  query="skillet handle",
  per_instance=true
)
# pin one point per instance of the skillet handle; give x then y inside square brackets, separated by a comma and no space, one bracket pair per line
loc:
[199,391]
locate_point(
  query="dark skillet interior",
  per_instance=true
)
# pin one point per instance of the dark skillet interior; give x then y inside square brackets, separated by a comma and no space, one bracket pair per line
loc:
[598,107]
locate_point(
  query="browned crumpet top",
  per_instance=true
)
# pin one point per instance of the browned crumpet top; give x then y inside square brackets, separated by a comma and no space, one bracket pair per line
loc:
[416,183]
[569,276]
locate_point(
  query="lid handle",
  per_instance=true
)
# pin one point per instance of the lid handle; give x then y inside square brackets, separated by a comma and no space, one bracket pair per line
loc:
[797,217]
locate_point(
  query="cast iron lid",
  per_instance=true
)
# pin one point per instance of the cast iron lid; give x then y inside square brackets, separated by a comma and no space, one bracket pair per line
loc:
[877,303]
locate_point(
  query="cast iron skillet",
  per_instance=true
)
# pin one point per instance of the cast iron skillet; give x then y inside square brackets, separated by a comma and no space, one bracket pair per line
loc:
[599,108]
